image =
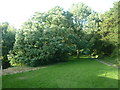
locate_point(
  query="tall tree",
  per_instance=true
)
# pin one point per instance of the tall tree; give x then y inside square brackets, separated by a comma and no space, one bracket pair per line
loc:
[43,39]
[92,29]
[80,13]
[8,39]
[109,26]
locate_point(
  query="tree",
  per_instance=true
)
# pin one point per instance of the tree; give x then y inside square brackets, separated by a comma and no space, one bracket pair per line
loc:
[43,39]
[92,29]
[8,39]
[102,30]
[109,26]
[80,13]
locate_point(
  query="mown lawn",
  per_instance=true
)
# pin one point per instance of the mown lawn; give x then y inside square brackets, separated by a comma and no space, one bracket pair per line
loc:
[76,73]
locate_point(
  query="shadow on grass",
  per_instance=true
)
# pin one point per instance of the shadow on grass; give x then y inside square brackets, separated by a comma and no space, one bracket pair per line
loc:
[101,82]
[105,82]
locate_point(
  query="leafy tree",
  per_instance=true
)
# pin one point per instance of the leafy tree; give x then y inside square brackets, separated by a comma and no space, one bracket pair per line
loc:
[43,39]
[80,13]
[109,26]
[102,32]
[8,39]
[92,29]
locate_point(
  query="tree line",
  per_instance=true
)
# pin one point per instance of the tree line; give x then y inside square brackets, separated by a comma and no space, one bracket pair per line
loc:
[54,35]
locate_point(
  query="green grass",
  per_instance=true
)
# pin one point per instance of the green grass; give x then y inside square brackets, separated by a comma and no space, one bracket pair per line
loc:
[82,73]
[113,60]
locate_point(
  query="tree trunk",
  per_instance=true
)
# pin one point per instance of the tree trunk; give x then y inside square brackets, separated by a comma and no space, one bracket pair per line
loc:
[78,53]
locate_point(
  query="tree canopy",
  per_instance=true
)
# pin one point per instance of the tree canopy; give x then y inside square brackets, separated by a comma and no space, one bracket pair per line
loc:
[52,36]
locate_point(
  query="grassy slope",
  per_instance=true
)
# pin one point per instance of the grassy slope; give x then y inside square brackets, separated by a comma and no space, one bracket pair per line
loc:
[82,73]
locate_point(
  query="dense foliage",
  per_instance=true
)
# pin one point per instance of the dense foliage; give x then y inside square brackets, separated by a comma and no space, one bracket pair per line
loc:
[54,35]
[8,39]
[80,13]
[43,39]
[109,28]
[110,32]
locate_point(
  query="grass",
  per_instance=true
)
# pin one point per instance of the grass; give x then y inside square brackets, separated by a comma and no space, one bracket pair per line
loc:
[13,70]
[113,60]
[76,73]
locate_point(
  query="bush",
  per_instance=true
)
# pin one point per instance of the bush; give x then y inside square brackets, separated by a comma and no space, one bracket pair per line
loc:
[5,64]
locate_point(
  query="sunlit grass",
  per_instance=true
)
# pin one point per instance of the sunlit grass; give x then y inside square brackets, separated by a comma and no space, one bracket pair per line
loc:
[112,75]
